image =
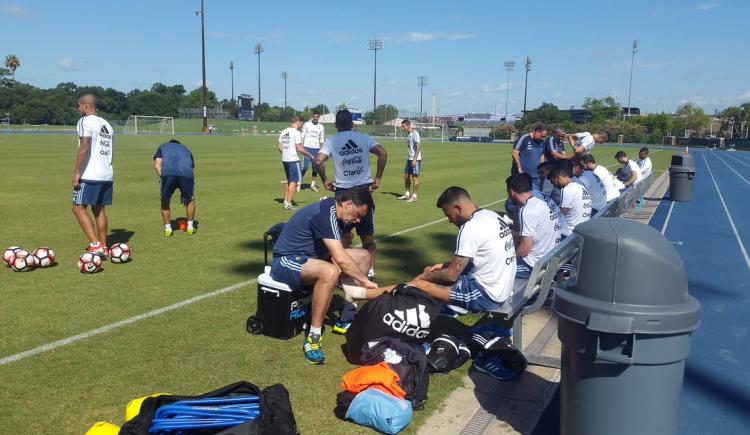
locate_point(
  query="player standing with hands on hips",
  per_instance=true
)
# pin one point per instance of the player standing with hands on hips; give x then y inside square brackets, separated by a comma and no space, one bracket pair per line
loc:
[413,161]
[313,135]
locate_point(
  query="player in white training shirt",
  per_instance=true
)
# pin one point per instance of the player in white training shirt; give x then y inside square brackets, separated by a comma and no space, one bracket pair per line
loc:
[589,163]
[290,143]
[313,135]
[93,175]
[593,184]
[644,162]
[413,161]
[583,143]
[631,172]
[539,227]
[575,202]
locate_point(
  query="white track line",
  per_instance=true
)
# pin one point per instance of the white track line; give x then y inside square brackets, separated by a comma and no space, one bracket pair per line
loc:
[726,210]
[129,321]
[738,174]
[738,160]
[666,221]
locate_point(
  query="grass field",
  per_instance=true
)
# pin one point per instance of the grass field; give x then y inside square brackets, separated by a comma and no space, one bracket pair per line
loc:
[201,346]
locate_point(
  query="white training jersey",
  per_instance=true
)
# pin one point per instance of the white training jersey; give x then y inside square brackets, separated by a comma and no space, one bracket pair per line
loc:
[547,187]
[577,201]
[631,167]
[98,166]
[564,230]
[411,144]
[540,222]
[350,152]
[595,186]
[609,185]
[585,139]
[645,165]
[487,240]
[289,138]
[313,135]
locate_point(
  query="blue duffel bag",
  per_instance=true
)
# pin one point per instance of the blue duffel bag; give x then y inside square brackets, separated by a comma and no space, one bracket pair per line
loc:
[380,411]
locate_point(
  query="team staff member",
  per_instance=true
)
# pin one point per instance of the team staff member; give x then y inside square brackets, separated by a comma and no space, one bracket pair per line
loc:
[584,142]
[350,151]
[175,165]
[528,152]
[554,147]
[313,135]
[93,174]
[413,161]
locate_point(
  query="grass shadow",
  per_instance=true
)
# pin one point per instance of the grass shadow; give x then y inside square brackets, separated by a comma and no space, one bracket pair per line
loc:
[394,194]
[119,235]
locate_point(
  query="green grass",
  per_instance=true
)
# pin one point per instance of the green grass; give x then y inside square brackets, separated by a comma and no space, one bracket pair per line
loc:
[202,346]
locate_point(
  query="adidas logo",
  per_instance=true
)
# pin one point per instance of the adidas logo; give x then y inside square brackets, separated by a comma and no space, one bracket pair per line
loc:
[104,132]
[414,322]
[350,147]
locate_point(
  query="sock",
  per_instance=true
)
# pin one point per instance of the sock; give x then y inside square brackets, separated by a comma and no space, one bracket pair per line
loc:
[315,330]
[413,195]
[371,275]
[406,193]
[313,183]
[168,227]
[190,225]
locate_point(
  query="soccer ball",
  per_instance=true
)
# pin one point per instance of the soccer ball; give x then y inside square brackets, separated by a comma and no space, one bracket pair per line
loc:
[119,253]
[89,263]
[10,254]
[44,256]
[23,263]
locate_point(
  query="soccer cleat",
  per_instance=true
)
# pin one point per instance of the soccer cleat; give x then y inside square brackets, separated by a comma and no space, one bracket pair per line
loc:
[341,327]
[190,231]
[167,233]
[404,197]
[314,188]
[491,365]
[413,198]
[99,249]
[312,349]
[289,206]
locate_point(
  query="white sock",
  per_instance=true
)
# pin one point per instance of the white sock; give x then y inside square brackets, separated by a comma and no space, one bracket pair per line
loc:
[406,193]
[168,227]
[413,195]
[316,330]
[190,225]
[313,183]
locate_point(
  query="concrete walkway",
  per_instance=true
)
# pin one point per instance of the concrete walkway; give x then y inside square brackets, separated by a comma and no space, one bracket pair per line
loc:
[485,405]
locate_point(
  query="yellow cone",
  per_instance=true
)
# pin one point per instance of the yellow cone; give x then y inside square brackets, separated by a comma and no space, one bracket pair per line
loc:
[103,428]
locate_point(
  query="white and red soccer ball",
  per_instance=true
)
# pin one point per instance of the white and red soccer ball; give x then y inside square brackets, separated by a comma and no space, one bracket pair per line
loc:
[10,254]
[23,262]
[44,256]
[89,262]
[119,253]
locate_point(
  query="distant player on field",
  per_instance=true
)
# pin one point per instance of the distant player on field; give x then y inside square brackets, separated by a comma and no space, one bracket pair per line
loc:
[290,143]
[93,174]
[583,143]
[175,165]
[313,135]
[413,161]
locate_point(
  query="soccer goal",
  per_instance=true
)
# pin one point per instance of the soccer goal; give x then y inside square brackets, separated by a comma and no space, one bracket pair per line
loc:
[142,124]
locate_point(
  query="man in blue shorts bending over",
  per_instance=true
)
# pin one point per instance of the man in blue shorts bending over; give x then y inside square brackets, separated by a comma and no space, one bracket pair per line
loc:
[309,252]
[175,165]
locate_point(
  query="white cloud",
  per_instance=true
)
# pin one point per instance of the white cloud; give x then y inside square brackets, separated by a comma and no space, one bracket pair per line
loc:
[457,36]
[199,84]
[419,36]
[454,94]
[696,99]
[490,89]
[68,64]
[15,10]
[707,6]
[353,98]
[416,37]
[391,82]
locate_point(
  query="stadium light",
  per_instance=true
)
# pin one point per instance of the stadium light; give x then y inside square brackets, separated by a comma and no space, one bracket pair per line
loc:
[375,45]
[421,82]
[203,63]
[509,64]
[527,66]
[231,71]
[284,76]
[258,51]
[632,59]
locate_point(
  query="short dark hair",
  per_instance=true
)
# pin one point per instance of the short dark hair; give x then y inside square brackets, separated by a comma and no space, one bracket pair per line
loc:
[520,183]
[588,158]
[315,112]
[451,195]
[344,120]
[405,122]
[544,164]
[564,165]
[643,150]
[538,126]
[559,171]
[620,154]
[175,141]
[358,195]
[605,135]
[297,118]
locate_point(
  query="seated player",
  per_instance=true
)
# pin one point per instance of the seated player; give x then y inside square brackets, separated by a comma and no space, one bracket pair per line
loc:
[631,172]
[644,162]
[589,163]
[584,142]
[309,253]
[539,224]
[593,184]
[575,201]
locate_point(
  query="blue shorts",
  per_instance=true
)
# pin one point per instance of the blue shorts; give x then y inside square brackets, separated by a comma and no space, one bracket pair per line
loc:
[311,162]
[292,171]
[286,270]
[523,270]
[171,183]
[93,193]
[367,225]
[468,294]
[409,170]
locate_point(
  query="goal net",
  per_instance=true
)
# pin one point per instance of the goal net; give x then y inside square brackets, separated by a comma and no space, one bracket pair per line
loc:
[142,124]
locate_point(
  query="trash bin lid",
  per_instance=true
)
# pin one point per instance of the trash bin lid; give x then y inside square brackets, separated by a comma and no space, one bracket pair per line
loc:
[682,160]
[689,169]
[630,280]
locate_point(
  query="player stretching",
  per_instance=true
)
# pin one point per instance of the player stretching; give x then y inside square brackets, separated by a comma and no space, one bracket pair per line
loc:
[92,177]
[413,161]
[313,135]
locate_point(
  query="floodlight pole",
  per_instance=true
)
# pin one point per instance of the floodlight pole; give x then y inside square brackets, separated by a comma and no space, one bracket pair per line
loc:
[421,81]
[632,60]
[203,63]
[284,76]
[527,66]
[509,64]
[258,51]
[375,45]
[231,71]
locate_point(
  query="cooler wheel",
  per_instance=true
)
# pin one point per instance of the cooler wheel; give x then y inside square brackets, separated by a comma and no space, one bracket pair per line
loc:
[254,325]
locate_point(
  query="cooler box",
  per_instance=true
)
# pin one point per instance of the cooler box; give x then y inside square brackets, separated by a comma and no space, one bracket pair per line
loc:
[282,312]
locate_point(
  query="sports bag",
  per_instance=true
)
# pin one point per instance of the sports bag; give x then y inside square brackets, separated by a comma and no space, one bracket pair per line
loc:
[447,353]
[406,313]
[407,360]
[275,411]
[380,411]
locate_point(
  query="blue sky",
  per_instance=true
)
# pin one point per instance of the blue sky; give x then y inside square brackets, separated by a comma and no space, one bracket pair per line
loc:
[688,50]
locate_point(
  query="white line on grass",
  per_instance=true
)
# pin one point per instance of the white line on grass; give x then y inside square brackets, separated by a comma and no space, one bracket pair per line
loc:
[726,210]
[738,174]
[666,221]
[129,321]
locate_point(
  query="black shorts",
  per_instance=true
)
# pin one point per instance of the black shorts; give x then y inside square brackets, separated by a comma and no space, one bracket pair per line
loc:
[171,183]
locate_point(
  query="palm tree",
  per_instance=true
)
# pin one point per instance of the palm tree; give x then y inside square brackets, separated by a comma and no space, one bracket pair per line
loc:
[12,63]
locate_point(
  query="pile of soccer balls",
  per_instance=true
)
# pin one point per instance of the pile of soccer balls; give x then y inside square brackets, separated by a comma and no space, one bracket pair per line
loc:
[91,263]
[24,261]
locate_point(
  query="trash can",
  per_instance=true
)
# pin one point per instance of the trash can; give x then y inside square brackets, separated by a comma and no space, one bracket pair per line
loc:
[681,174]
[625,324]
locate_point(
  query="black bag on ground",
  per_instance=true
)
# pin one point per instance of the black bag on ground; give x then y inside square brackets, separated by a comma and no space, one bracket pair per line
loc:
[447,353]
[406,313]
[412,371]
[276,416]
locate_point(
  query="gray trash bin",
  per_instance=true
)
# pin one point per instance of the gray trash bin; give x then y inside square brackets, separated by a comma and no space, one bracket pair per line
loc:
[681,174]
[625,328]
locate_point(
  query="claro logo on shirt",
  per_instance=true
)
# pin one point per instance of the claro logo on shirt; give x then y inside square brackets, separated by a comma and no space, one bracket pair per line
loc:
[350,148]
[413,322]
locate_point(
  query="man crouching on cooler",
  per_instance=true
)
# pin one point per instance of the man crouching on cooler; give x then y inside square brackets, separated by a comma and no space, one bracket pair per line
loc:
[480,275]
[309,253]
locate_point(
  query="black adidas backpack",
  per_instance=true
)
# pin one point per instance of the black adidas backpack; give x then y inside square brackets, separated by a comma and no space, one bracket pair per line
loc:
[447,353]
[406,314]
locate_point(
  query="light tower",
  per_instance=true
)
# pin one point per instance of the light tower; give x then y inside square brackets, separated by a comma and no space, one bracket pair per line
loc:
[258,50]
[527,66]
[421,82]
[632,60]
[203,64]
[231,71]
[509,64]
[375,45]
[284,76]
